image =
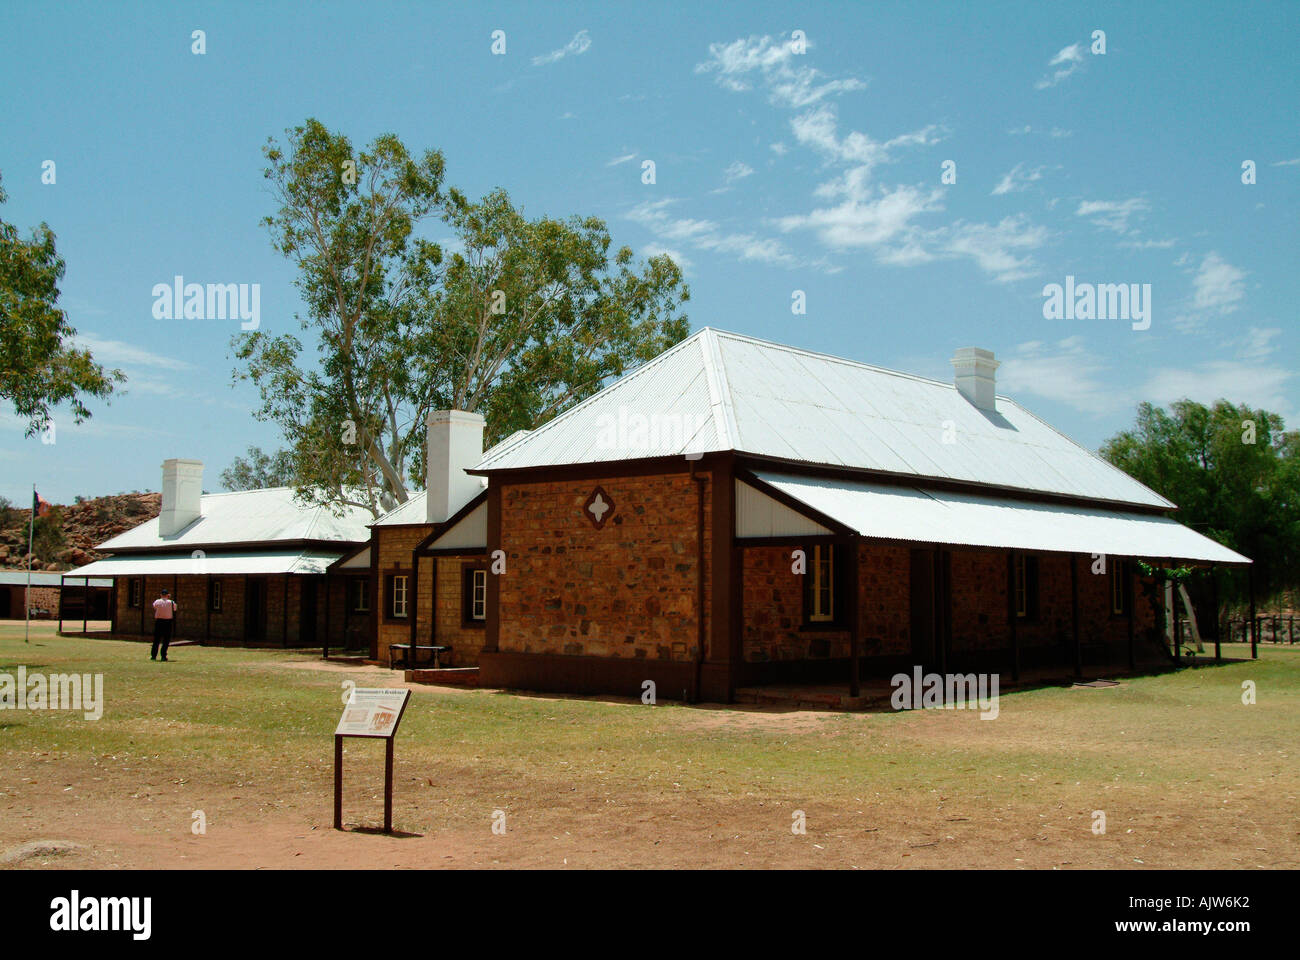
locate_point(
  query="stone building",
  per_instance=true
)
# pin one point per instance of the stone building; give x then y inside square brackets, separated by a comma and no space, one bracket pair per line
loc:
[737,512]
[249,568]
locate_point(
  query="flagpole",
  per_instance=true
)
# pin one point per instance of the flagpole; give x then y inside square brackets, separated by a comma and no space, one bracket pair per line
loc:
[27,600]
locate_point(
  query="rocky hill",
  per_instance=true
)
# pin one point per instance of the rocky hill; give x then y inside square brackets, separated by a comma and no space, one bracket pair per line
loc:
[74,530]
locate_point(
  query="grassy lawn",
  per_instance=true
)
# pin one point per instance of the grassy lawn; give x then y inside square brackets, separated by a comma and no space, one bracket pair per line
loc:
[1186,775]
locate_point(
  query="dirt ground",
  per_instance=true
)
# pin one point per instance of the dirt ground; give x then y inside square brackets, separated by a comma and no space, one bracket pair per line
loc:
[112,808]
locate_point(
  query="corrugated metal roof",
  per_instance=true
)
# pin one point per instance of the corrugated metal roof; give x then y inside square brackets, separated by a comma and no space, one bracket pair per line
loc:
[898,512]
[40,579]
[216,564]
[252,516]
[412,511]
[732,392]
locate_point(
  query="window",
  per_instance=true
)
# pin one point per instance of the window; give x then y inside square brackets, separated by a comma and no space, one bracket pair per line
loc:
[397,596]
[474,601]
[822,592]
[214,596]
[359,595]
[135,592]
[822,588]
[1026,587]
[1118,588]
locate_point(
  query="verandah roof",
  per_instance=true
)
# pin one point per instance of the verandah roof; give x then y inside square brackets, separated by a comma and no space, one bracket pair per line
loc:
[902,512]
[303,562]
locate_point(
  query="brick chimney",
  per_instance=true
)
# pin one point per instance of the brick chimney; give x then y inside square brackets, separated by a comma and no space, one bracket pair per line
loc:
[182,488]
[454,442]
[973,373]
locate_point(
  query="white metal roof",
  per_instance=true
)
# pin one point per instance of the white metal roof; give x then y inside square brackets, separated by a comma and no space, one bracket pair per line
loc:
[731,392]
[898,512]
[42,579]
[217,564]
[412,511]
[251,516]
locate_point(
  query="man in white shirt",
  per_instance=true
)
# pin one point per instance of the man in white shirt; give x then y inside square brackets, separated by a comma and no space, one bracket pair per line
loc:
[164,616]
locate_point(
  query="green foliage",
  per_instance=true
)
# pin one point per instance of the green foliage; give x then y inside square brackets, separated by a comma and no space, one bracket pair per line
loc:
[39,368]
[1244,495]
[526,317]
[259,471]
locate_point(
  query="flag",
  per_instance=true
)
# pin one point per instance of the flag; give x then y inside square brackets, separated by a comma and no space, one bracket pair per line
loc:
[40,506]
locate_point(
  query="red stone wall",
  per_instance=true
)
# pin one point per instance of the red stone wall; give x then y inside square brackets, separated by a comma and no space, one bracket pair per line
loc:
[773,605]
[627,590]
[450,629]
[394,546]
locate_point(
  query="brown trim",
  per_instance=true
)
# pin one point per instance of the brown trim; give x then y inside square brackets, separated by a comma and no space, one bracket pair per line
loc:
[373,613]
[442,527]
[348,555]
[724,576]
[1013,616]
[855,627]
[642,467]
[1074,614]
[492,635]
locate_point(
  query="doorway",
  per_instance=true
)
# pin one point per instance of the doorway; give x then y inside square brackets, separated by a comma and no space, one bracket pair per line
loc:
[254,610]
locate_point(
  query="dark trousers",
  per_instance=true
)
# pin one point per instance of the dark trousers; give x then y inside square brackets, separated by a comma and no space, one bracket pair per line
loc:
[162,633]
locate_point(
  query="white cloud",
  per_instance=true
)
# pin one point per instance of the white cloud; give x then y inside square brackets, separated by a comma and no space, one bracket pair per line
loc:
[576,47]
[737,171]
[1069,59]
[682,261]
[740,64]
[1217,285]
[1017,179]
[1239,381]
[1148,244]
[1065,372]
[623,159]
[1294,161]
[656,216]
[113,353]
[866,217]
[779,148]
[1000,249]
[1113,215]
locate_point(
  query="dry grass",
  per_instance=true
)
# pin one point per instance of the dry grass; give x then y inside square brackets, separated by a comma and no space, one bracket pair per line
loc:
[1186,774]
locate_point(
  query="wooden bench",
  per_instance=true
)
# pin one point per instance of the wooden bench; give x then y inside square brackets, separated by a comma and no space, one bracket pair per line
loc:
[409,653]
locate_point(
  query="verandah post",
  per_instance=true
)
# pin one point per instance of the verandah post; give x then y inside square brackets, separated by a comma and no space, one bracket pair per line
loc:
[855,639]
[1074,614]
[1254,623]
[1012,616]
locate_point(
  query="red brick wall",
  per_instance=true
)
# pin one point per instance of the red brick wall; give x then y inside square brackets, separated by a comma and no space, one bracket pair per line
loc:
[773,605]
[627,590]
[465,641]
[394,546]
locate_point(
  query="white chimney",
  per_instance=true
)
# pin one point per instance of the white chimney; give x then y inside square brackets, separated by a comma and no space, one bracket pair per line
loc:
[973,372]
[454,442]
[182,488]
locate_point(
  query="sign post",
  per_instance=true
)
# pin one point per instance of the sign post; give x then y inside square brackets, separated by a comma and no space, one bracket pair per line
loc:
[370,713]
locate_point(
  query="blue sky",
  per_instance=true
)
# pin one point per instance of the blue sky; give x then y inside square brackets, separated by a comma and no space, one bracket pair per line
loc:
[775,171]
